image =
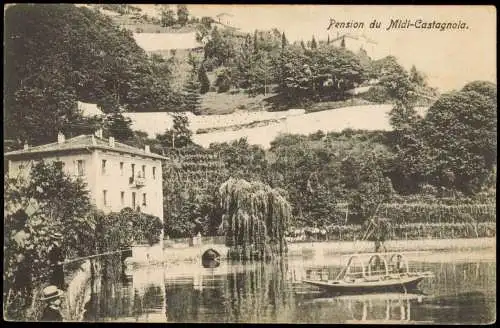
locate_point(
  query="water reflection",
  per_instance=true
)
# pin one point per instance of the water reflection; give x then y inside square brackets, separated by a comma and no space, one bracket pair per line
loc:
[371,308]
[271,292]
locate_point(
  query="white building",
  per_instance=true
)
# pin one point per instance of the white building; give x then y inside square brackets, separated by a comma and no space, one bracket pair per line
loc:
[117,175]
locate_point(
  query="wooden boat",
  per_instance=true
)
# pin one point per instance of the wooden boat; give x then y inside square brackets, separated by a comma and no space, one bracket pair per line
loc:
[379,275]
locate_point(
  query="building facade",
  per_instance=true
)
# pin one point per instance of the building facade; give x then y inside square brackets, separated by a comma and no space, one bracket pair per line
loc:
[117,175]
[355,43]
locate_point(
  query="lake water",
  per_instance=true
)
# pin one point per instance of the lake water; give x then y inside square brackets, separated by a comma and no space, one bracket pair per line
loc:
[462,291]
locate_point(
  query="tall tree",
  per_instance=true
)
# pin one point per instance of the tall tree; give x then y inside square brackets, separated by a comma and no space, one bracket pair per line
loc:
[167,17]
[180,134]
[255,219]
[284,41]
[460,129]
[314,45]
[203,80]
[58,54]
[182,14]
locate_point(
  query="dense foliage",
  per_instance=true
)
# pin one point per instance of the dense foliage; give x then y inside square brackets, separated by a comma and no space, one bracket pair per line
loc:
[255,219]
[406,231]
[58,54]
[454,146]
[49,202]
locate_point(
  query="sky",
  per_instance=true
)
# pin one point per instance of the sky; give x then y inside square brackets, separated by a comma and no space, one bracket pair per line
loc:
[450,58]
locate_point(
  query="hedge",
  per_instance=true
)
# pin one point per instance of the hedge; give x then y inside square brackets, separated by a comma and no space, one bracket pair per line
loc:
[408,231]
[434,213]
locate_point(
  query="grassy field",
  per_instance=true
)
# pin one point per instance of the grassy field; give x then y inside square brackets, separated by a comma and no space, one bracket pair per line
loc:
[213,103]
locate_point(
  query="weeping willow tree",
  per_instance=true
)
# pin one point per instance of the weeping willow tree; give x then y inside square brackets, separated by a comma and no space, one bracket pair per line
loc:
[254,220]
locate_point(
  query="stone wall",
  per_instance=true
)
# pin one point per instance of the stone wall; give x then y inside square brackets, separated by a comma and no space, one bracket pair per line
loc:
[78,292]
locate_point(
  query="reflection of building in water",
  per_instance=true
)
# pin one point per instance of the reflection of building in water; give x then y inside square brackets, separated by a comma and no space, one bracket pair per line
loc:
[198,281]
[149,283]
[380,308]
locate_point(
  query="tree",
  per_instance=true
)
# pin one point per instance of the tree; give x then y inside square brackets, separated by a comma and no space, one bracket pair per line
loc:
[179,136]
[485,88]
[119,127]
[255,219]
[192,87]
[313,43]
[368,187]
[203,80]
[255,42]
[460,130]
[167,18]
[284,41]
[192,98]
[328,40]
[416,77]
[224,80]
[220,48]
[58,54]
[182,14]
[342,43]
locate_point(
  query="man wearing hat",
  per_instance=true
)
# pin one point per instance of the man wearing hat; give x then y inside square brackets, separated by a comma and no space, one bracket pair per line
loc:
[52,295]
[56,260]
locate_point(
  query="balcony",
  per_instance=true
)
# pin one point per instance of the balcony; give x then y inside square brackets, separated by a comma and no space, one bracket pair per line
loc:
[137,181]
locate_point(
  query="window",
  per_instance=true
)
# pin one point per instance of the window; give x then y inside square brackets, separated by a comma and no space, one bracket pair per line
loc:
[133,200]
[144,171]
[122,198]
[121,168]
[154,172]
[132,167]
[103,171]
[80,164]
[105,197]
[144,199]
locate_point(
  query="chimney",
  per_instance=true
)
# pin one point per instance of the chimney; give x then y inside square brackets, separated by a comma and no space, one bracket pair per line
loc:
[112,141]
[60,138]
[26,146]
[98,133]
[147,149]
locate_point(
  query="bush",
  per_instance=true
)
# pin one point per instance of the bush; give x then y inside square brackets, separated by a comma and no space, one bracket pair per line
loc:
[435,213]
[411,231]
[377,94]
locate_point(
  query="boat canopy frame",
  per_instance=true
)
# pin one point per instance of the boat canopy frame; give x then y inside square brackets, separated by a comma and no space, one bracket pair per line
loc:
[389,266]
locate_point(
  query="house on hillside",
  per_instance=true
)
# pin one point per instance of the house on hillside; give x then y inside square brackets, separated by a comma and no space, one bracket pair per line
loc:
[117,175]
[355,43]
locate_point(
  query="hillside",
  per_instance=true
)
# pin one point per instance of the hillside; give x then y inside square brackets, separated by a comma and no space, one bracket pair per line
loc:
[335,120]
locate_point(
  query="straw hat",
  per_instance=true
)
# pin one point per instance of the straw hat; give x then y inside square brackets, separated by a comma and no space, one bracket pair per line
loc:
[57,235]
[50,292]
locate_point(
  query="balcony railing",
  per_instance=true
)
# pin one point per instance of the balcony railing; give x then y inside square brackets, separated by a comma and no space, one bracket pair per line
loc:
[137,181]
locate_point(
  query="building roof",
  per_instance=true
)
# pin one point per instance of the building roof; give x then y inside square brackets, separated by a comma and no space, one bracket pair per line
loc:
[354,37]
[167,41]
[80,143]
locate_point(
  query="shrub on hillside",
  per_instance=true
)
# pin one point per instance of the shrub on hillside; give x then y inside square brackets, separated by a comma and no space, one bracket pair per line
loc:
[377,94]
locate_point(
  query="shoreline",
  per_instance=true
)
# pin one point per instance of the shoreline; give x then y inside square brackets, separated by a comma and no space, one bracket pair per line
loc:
[193,254]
